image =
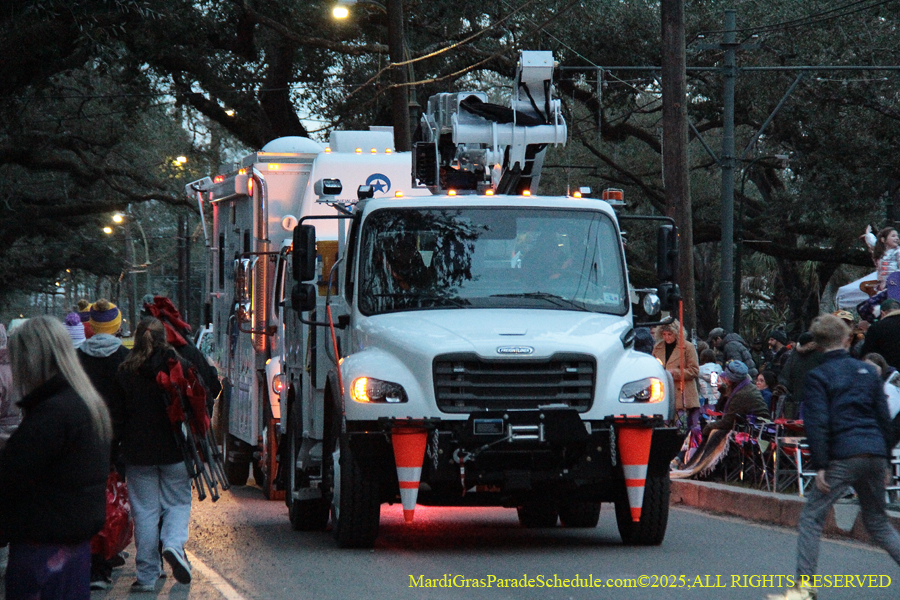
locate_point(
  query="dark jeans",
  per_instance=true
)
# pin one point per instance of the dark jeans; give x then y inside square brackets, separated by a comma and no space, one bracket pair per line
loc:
[49,572]
[866,475]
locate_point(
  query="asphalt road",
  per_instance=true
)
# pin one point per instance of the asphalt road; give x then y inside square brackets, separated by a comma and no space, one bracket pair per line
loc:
[243,548]
[250,543]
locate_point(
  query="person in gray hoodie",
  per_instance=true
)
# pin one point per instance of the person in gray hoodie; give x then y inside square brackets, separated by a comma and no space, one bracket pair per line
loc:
[100,356]
[732,347]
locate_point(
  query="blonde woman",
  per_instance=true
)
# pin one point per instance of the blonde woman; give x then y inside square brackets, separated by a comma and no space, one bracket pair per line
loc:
[53,470]
[679,357]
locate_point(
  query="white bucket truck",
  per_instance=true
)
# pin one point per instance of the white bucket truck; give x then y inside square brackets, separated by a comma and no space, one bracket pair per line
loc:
[479,340]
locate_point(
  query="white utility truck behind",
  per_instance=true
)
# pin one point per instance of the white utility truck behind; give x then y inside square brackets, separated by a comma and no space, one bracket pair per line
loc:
[448,339]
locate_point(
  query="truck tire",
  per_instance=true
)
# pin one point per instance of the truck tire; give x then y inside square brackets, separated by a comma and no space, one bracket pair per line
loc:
[237,461]
[355,504]
[305,515]
[537,514]
[579,514]
[651,529]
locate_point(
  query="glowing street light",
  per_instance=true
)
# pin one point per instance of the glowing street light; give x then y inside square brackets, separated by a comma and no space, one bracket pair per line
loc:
[107,230]
[405,113]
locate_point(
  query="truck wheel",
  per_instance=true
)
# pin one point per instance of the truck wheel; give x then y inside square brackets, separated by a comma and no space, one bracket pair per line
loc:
[579,514]
[355,503]
[237,461]
[537,513]
[651,529]
[305,515]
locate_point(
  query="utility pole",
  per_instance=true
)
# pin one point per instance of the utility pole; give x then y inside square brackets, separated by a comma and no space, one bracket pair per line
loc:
[676,174]
[400,92]
[729,72]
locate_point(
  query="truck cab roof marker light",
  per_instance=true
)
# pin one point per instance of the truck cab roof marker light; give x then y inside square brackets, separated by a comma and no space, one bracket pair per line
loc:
[374,151]
[451,192]
[488,192]
[526,192]
[273,166]
[398,194]
[387,150]
[577,194]
[359,150]
[327,150]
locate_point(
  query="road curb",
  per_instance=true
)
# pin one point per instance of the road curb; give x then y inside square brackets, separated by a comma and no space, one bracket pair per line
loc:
[783,510]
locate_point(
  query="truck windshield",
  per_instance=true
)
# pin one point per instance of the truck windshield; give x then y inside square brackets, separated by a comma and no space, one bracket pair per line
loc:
[555,259]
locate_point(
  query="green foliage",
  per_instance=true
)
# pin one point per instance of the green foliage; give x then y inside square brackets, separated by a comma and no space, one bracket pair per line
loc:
[101,94]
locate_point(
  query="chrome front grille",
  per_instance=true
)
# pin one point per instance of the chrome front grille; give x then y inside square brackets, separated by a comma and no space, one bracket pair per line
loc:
[467,382]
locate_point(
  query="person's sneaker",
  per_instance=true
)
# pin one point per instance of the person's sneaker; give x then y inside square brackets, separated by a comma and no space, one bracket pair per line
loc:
[117,561]
[100,584]
[181,568]
[137,586]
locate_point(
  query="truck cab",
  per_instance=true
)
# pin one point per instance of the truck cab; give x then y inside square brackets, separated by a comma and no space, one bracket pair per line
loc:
[499,327]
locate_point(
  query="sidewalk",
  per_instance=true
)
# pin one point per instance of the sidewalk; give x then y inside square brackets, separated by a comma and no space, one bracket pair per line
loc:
[769,507]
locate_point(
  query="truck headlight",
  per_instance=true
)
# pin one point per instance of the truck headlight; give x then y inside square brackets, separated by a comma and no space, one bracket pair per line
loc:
[368,389]
[647,390]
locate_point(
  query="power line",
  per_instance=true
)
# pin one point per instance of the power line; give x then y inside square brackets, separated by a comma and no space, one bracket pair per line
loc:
[811,19]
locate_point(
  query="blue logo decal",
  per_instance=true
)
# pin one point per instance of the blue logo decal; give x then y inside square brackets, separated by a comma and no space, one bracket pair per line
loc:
[380,183]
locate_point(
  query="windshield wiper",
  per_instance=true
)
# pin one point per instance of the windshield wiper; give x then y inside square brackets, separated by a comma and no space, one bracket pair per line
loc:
[552,298]
[456,302]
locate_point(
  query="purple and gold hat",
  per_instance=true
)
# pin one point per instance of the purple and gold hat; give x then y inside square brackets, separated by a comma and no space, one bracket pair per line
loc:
[105,317]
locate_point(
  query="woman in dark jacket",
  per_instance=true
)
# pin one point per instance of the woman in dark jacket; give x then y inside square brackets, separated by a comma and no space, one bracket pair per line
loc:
[53,470]
[158,481]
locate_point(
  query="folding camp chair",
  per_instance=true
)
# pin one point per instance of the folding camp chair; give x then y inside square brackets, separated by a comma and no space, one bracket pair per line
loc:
[791,457]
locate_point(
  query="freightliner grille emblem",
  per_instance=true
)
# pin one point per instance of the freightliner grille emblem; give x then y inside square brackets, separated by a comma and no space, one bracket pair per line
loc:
[515,350]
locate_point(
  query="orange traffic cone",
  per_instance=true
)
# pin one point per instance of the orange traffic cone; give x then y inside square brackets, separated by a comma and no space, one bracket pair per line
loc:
[634,449]
[409,451]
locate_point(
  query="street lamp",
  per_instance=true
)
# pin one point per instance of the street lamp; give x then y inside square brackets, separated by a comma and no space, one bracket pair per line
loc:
[739,249]
[401,107]
[125,219]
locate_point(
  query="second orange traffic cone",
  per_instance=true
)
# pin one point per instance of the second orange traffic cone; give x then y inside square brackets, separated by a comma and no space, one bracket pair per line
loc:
[409,451]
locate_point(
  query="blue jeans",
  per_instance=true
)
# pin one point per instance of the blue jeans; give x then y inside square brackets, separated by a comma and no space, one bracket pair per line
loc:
[160,497]
[866,475]
[49,571]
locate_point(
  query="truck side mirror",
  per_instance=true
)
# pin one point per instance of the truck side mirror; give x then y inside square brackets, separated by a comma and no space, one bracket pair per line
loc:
[666,253]
[303,297]
[669,295]
[304,253]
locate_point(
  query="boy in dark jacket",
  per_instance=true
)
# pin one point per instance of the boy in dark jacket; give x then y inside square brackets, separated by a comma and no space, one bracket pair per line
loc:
[100,356]
[848,428]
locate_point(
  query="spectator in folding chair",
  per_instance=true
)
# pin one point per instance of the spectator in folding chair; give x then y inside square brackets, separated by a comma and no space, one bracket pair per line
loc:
[848,429]
[740,400]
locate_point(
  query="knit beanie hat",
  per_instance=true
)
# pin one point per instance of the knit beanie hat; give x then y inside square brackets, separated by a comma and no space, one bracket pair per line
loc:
[75,329]
[735,371]
[83,308]
[105,317]
[779,336]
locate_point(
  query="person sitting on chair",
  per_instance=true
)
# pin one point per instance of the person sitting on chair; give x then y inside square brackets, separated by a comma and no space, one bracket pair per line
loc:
[740,399]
